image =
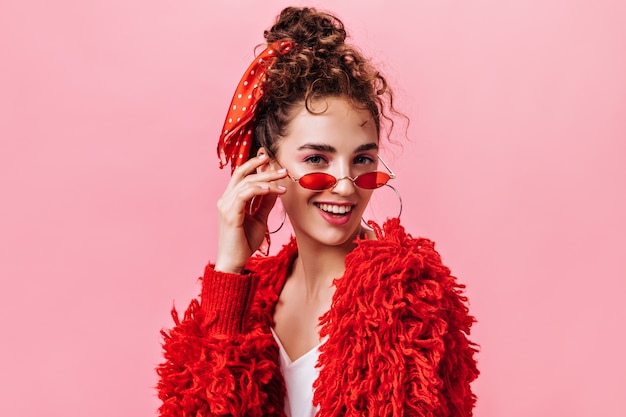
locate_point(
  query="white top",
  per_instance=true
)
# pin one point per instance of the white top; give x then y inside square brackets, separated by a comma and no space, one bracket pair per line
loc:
[299,376]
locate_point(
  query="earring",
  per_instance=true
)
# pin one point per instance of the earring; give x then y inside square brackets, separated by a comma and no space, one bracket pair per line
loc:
[399,199]
[282,223]
[252,208]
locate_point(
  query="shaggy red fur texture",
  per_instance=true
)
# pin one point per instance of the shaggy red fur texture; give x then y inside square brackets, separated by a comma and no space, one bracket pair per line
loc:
[397,343]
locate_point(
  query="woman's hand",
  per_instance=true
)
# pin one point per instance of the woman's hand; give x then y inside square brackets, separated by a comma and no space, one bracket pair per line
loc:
[241,232]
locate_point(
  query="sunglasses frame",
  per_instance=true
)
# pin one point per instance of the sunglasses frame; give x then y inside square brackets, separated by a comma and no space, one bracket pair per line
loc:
[391,176]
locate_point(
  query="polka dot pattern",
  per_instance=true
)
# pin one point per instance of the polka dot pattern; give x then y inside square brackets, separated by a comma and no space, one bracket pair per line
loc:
[237,134]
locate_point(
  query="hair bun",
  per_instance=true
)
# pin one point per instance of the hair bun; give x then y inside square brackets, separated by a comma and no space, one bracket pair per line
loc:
[322,64]
[309,28]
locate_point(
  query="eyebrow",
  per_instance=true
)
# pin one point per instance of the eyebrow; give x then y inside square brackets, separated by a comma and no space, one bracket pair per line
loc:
[331,149]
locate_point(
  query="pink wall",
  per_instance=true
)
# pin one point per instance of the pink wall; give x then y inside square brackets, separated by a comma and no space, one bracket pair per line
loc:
[109,113]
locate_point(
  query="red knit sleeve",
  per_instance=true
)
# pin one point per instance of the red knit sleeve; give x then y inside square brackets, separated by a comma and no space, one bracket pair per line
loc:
[216,362]
[457,368]
[226,299]
[397,334]
[448,327]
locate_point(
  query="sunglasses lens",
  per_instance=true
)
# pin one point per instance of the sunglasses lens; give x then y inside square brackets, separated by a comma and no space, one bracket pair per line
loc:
[372,180]
[317,181]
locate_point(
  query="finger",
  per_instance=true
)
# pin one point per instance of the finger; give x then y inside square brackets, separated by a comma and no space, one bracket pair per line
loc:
[239,198]
[238,180]
[249,167]
[264,180]
[267,176]
[267,196]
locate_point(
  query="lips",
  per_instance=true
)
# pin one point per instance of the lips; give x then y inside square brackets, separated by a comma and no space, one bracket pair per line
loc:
[335,214]
[334,208]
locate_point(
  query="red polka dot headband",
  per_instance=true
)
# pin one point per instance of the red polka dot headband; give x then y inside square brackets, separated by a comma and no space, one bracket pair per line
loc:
[238,131]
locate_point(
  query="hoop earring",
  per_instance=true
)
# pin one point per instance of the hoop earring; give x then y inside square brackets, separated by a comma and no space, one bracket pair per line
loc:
[282,223]
[252,208]
[399,198]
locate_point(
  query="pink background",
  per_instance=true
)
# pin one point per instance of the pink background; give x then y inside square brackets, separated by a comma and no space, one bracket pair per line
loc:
[515,165]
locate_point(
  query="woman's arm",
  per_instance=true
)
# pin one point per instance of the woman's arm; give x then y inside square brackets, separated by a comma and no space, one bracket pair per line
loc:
[397,333]
[447,324]
[457,368]
[215,364]
[219,362]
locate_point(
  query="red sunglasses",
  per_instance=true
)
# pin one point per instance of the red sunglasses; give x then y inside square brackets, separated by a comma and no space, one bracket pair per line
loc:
[320,181]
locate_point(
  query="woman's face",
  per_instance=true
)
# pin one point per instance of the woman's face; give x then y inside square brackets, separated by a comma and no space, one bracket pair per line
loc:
[337,139]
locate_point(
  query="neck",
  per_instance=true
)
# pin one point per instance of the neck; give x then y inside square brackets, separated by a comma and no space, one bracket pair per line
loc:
[317,265]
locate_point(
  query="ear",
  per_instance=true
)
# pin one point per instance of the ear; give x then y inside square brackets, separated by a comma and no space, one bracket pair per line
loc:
[261,151]
[264,167]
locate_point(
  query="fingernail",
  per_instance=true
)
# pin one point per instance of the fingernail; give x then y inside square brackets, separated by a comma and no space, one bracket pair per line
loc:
[262,156]
[264,186]
[281,187]
[282,171]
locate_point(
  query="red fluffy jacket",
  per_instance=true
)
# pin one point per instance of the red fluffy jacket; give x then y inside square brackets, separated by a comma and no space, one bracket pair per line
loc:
[397,338]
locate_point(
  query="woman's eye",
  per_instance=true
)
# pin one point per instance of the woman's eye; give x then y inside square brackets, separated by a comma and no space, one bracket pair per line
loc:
[363,159]
[315,159]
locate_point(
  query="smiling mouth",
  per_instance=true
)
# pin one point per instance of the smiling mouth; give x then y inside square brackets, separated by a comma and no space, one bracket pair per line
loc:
[334,209]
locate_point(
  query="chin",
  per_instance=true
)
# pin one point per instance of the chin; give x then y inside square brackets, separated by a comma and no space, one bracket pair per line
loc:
[329,235]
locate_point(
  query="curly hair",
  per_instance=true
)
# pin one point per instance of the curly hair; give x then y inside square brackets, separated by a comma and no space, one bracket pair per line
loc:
[322,64]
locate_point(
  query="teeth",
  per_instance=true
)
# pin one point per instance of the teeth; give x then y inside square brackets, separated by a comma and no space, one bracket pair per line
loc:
[330,208]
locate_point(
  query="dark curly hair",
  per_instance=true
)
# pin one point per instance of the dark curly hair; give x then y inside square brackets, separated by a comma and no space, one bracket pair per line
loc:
[322,64]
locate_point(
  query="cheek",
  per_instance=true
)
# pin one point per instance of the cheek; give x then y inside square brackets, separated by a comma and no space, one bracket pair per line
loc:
[294,197]
[366,195]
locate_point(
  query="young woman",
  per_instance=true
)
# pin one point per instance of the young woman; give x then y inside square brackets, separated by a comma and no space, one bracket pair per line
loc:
[345,320]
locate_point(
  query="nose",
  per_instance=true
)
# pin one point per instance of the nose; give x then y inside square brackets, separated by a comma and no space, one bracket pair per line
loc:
[345,186]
